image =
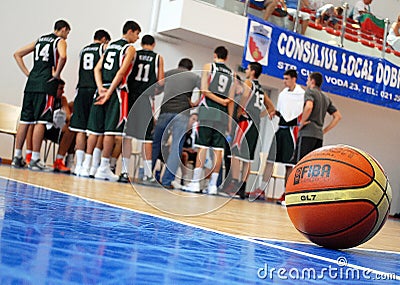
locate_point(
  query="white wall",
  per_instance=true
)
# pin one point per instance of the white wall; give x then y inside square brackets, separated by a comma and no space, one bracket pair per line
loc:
[372,128]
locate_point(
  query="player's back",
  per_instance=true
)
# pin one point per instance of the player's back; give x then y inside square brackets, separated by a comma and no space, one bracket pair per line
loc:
[89,57]
[44,59]
[255,102]
[145,71]
[113,58]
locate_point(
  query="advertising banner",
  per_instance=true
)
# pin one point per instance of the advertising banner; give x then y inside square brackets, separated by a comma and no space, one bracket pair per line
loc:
[346,73]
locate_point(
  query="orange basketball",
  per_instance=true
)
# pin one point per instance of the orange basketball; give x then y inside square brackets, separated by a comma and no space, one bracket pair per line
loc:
[338,196]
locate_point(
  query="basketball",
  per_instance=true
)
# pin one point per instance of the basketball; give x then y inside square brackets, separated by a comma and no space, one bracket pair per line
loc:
[338,196]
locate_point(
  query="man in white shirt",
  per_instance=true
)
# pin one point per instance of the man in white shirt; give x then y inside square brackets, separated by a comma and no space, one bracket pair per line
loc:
[361,7]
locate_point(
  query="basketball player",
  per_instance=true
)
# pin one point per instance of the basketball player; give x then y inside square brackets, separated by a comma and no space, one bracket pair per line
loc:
[252,103]
[216,106]
[83,102]
[316,105]
[289,109]
[50,56]
[147,73]
[111,73]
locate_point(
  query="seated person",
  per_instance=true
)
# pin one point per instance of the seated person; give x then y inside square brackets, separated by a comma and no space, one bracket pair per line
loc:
[393,37]
[360,7]
[269,7]
[58,132]
[189,153]
[304,17]
[327,14]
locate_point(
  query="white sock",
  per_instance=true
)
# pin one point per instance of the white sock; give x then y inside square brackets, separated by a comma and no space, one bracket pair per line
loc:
[197,174]
[213,179]
[147,168]
[96,157]
[80,155]
[28,151]
[35,155]
[105,162]
[18,152]
[125,164]
[88,159]
[59,156]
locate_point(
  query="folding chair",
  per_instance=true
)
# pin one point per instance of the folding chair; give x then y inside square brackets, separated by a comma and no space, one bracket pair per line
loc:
[9,120]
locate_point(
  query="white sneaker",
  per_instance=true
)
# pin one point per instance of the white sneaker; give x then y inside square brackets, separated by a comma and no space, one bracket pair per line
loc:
[77,169]
[92,171]
[192,187]
[37,165]
[105,173]
[176,185]
[212,190]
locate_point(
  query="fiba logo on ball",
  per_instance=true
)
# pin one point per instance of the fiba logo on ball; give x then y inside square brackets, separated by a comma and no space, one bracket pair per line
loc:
[297,176]
[311,172]
[338,196]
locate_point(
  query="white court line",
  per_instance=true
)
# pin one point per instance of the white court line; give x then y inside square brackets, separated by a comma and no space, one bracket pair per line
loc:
[310,243]
[298,252]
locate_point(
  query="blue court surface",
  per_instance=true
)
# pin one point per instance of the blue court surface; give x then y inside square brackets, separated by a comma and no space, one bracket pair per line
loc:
[48,237]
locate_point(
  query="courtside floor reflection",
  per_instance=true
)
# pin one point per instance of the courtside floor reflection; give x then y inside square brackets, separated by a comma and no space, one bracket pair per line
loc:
[48,237]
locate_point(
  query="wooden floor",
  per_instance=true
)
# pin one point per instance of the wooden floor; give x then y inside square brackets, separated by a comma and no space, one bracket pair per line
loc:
[254,219]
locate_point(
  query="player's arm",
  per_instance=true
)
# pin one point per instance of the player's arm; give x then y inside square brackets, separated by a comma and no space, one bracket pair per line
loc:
[269,105]
[337,116]
[126,64]
[19,55]
[161,72]
[159,86]
[245,96]
[65,108]
[62,59]
[205,86]
[97,74]
[308,107]
[231,104]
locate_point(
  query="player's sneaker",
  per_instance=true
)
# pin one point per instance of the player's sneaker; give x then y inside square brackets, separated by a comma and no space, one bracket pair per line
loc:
[281,200]
[93,170]
[37,165]
[18,162]
[176,185]
[105,173]
[82,172]
[192,187]
[124,178]
[257,194]
[148,180]
[212,190]
[59,166]
[28,158]
[77,170]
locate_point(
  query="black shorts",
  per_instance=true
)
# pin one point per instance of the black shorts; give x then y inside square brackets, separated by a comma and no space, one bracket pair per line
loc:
[282,147]
[304,146]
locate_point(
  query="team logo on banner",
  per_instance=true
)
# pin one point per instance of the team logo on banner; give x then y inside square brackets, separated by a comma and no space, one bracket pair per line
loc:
[258,42]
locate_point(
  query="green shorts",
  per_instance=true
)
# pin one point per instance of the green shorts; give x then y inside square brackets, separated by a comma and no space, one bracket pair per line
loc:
[211,134]
[140,123]
[82,104]
[37,108]
[245,140]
